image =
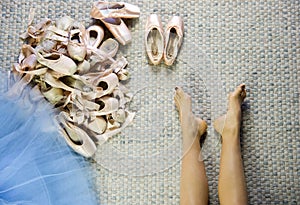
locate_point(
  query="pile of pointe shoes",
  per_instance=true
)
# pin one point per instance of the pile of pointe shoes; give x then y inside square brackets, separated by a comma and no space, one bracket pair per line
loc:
[77,71]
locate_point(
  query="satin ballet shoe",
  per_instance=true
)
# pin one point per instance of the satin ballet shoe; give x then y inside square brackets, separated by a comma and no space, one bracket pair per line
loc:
[173,39]
[76,47]
[83,67]
[56,83]
[106,84]
[114,128]
[57,62]
[29,63]
[70,83]
[106,9]
[77,51]
[105,52]
[107,104]
[54,95]
[154,39]
[110,47]
[107,13]
[118,29]
[77,139]
[98,125]
[36,32]
[64,23]
[94,35]
[103,85]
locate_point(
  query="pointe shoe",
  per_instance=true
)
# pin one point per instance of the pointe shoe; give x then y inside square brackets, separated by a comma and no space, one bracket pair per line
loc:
[54,95]
[70,83]
[98,125]
[107,104]
[78,139]
[118,29]
[64,23]
[115,25]
[154,39]
[106,51]
[83,67]
[76,47]
[110,47]
[173,39]
[57,62]
[115,10]
[94,36]
[105,85]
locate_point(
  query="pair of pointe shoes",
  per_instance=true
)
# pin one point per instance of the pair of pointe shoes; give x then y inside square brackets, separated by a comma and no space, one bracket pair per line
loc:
[111,14]
[163,45]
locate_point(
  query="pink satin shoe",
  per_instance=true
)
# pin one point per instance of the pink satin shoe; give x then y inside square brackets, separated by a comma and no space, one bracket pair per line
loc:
[173,39]
[111,13]
[106,9]
[154,39]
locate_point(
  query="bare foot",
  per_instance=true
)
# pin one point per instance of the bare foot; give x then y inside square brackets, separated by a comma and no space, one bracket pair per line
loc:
[230,123]
[191,126]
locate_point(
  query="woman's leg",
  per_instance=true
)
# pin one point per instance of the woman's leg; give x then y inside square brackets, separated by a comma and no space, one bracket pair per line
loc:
[193,181]
[232,183]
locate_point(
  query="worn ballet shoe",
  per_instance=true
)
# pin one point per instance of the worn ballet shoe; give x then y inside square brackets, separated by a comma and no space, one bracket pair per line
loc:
[36,32]
[115,10]
[57,62]
[115,25]
[70,83]
[29,63]
[54,95]
[105,52]
[110,47]
[78,139]
[98,125]
[118,29]
[94,36]
[173,39]
[76,47]
[114,127]
[107,104]
[106,84]
[56,83]
[154,39]
[64,23]
[83,67]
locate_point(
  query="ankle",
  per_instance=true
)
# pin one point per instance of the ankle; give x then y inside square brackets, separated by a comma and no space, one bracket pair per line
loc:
[231,138]
[191,145]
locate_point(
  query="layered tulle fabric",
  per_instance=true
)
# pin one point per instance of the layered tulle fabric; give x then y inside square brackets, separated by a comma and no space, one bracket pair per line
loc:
[36,165]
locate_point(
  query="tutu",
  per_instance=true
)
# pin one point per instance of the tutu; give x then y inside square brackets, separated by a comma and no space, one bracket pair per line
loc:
[36,165]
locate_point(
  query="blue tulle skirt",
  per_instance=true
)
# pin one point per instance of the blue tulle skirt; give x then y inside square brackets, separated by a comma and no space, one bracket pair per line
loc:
[36,165]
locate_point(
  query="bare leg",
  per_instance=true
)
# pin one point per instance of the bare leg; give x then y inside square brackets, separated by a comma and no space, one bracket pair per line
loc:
[232,183]
[193,181]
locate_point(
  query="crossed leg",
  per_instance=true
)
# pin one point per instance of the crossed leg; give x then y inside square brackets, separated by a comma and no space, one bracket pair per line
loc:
[193,181]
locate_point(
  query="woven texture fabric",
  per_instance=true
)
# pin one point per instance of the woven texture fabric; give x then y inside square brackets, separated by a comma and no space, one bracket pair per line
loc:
[225,43]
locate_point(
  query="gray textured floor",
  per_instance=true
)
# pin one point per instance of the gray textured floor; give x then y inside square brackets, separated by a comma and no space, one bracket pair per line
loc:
[226,43]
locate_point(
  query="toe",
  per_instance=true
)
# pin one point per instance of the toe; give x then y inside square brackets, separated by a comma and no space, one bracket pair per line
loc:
[179,91]
[239,90]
